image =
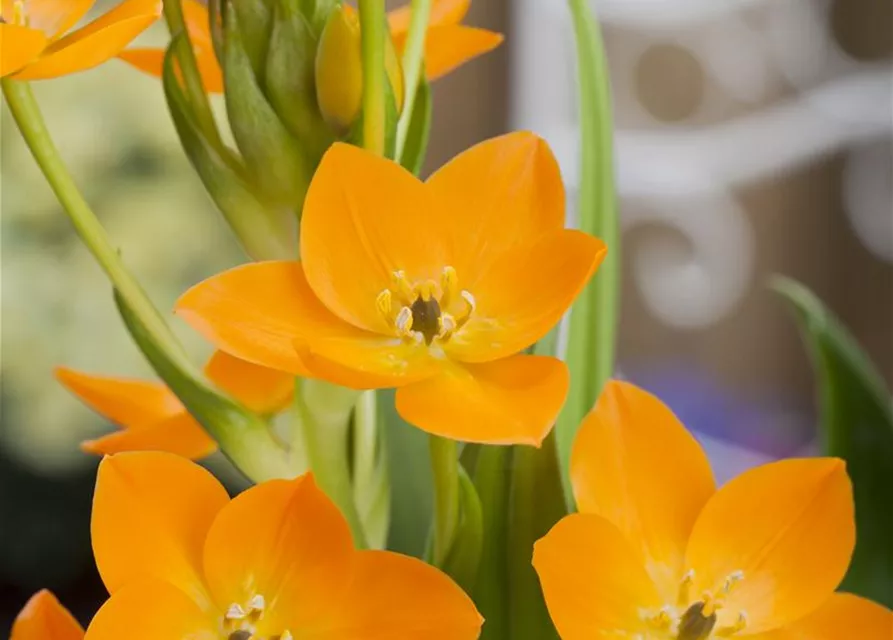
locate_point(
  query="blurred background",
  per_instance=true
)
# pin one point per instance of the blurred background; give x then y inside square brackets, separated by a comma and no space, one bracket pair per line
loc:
[753,137]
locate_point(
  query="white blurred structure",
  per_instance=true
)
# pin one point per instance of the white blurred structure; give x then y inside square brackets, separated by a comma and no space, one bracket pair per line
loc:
[775,92]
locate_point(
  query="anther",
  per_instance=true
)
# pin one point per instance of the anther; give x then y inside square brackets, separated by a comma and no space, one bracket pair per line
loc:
[662,620]
[685,587]
[732,579]
[19,13]
[402,287]
[449,282]
[257,603]
[404,321]
[384,303]
[235,612]
[740,625]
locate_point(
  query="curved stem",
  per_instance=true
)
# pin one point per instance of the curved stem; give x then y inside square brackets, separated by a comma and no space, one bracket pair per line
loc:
[445,468]
[27,116]
[324,411]
[412,66]
[198,99]
[372,29]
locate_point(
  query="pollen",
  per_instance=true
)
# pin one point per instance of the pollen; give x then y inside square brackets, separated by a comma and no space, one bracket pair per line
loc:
[427,311]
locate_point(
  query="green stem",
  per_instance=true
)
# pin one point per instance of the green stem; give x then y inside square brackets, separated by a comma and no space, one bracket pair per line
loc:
[445,468]
[412,67]
[324,411]
[373,34]
[593,324]
[27,116]
[195,90]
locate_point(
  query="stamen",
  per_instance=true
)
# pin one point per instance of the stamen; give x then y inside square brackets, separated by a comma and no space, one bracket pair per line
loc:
[404,321]
[402,287]
[384,303]
[685,588]
[235,612]
[449,282]
[732,579]
[662,620]
[447,326]
[257,603]
[740,625]
[469,300]
[20,13]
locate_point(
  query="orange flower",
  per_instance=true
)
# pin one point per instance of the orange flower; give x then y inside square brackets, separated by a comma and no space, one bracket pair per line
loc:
[34,44]
[43,618]
[152,417]
[432,287]
[182,560]
[657,552]
[448,43]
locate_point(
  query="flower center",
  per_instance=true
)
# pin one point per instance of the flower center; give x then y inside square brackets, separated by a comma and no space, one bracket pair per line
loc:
[425,311]
[697,620]
[240,622]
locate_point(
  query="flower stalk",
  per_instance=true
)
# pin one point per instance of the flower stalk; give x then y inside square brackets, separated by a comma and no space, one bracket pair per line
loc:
[412,67]
[445,469]
[373,34]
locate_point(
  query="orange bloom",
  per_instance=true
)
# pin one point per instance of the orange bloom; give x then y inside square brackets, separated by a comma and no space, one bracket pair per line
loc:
[432,287]
[152,417]
[34,44]
[657,552]
[448,43]
[43,618]
[182,560]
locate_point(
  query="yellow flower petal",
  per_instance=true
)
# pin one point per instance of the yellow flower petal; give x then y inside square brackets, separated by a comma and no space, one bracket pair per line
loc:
[634,464]
[525,294]
[261,389]
[257,311]
[395,596]
[592,580]
[499,195]
[127,403]
[95,43]
[151,61]
[151,514]
[18,47]
[378,216]
[786,530]
[43,618]
[442,12]
[180,435]
[449,47]
[54,17]
[152,610]
[842,617]
[510,401]
[286,542]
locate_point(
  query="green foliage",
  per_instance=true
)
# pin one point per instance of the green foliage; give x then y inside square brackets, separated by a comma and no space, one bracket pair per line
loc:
[856,425]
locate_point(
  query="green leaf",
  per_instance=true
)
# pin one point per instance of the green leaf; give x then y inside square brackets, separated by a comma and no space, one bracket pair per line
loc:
[265,231]
[856,425]
[593,321]
[465,554]
[244,437]
[412,485]
[419,130]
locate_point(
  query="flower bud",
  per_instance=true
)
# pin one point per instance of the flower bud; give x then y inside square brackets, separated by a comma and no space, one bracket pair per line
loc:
[339,71]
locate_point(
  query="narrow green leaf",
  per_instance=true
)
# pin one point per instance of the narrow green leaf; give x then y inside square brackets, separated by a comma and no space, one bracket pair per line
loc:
[593,321]
[419,130]
[244,437]
[856,425]
[465,554]
[266,232]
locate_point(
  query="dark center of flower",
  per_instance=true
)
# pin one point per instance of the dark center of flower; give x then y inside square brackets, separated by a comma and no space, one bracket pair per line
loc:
[426,317]
[694,625]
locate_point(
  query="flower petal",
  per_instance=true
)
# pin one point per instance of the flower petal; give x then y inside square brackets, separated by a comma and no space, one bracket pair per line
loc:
[395,596]
[151,514]
[592,579]
[449,47]
[151,61]
[125,402]
[498,195]
[95,43]
[261,389]
[18,47]
[788,528]
[55,17]
[442,12]
[152,610]
[634,464]
[257,311]
[525,294]
[180,435]
[510,401]
[285,541]
[379,217]
[842,616]
[43,618]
